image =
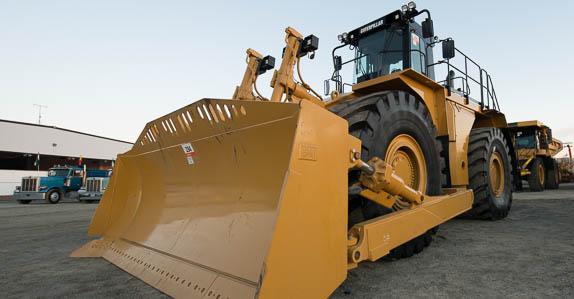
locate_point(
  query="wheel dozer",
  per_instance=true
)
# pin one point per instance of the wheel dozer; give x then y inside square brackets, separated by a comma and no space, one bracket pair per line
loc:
[279,197]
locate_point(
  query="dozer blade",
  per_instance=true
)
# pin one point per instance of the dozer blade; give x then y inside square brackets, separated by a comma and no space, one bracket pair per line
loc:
[231,199]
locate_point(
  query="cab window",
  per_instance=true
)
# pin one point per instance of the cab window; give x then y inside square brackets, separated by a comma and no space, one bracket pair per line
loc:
[379,54]
[58,172]
[418,52]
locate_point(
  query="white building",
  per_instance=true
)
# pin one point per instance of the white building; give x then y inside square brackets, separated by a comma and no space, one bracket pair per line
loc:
[21,143]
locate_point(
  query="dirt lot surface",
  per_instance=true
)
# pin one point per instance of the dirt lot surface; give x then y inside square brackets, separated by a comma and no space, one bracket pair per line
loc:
[528,254]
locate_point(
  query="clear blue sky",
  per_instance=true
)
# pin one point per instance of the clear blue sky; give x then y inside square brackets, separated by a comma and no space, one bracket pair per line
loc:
[108,67]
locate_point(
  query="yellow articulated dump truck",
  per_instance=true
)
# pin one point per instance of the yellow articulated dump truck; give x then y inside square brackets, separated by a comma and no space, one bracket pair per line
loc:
[278,196]
[535,151]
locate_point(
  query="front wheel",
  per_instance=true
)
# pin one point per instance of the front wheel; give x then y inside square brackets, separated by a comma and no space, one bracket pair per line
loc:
[53,196]
[395,126]
[537,176]
[489,174]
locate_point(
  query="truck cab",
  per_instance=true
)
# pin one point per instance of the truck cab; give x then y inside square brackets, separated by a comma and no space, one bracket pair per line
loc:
[94,188]
[61,181]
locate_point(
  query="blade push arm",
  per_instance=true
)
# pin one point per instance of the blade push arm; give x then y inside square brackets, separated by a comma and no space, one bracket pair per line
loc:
[375,238]
[282,81]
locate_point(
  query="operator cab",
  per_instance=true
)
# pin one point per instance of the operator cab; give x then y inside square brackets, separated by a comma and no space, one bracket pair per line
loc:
[390,44]
[396,42]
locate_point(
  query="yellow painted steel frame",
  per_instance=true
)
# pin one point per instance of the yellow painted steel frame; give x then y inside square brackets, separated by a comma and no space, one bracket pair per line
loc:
[245,90]
[282,81]
[375,238]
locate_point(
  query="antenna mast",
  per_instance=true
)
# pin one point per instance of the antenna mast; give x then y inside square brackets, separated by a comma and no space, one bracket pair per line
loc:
[40,112]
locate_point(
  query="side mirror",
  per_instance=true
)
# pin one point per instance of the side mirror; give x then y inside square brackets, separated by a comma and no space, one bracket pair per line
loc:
[338,63]
[448,49]
[326,87]
[428,29]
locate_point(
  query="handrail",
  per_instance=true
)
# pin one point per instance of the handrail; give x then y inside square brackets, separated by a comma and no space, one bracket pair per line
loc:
[484,76]
[487,92]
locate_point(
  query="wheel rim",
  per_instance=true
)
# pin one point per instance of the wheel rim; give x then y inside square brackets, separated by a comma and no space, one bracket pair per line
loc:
[407,159]
[541,173]
[54,196]
[496,174]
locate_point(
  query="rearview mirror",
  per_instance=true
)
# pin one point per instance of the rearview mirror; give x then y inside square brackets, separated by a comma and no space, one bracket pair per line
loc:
[428,29]
[448,49]
[338,62]
[326,87]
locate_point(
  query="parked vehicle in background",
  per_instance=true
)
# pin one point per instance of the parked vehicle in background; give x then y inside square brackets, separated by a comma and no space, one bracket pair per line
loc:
[566,165]
[62,181]
[94,188]
[535,149]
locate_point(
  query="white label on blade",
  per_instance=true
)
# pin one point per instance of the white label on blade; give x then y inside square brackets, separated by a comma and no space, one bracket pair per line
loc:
[189,152]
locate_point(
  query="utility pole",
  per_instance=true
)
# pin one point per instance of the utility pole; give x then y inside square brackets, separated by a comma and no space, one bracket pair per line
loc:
[40,112]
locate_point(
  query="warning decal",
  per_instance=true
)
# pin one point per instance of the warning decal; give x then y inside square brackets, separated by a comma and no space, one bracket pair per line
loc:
[189,152]
[416,40]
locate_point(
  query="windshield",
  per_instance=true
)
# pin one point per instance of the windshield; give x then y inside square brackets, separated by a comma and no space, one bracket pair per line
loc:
[379,54]
[58,172]
[527,141]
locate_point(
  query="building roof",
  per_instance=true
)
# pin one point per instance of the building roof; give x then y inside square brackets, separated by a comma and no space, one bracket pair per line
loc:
[49,140]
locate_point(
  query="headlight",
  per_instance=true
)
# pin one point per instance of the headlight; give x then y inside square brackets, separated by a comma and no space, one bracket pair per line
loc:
[404,8]
[412,5]
[342,37]
[43,187]
[18,188]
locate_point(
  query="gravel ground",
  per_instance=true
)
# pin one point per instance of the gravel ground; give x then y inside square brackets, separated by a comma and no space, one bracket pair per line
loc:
[528,254]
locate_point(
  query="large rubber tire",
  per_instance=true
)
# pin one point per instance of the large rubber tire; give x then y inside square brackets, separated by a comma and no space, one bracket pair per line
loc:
[490,202]
[536,181]
[53,196]
[377,119]
[552,175]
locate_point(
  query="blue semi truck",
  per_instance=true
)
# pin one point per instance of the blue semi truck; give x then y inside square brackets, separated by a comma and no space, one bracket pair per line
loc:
[94,188]
[61,181]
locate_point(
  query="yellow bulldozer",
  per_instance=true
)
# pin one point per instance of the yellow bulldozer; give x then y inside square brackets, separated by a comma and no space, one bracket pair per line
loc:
[279,196]
[535,151]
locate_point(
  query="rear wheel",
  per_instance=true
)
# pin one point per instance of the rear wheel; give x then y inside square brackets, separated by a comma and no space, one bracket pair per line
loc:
[394,125]
[489,174]
[553,175]
[53,196]
[536,178]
